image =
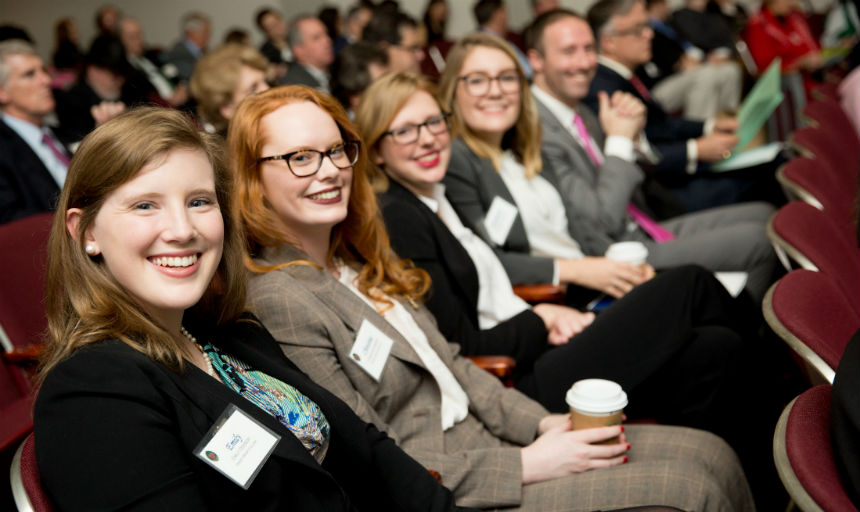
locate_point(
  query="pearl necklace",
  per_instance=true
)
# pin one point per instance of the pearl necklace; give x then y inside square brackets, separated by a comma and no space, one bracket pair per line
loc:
[209,369]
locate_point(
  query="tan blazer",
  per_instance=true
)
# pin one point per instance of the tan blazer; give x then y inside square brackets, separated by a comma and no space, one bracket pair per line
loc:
[315,318]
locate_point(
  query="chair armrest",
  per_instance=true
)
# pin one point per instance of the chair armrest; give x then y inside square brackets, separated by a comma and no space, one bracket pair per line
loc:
[25,355]
[536,293]
[500,366]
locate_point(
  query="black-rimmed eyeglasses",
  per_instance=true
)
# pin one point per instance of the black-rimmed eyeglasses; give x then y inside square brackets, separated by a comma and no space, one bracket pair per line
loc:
[478,83]
[306,162]
[407,134]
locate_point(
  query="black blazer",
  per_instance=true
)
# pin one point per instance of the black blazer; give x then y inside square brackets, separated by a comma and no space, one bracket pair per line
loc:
[667,133]
[116,430]
[420,235]
[298,75]
[26,186]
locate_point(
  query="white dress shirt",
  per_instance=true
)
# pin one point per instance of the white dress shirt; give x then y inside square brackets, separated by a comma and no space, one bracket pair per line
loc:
[497,301]
[32,135]
[455,402]
[542,210]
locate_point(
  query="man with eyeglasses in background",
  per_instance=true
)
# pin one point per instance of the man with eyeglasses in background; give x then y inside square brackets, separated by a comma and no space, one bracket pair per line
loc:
[397,34]
[685,148]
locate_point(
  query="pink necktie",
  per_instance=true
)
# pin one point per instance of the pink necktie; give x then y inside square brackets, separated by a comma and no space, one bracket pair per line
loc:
[59,153]
[649,225]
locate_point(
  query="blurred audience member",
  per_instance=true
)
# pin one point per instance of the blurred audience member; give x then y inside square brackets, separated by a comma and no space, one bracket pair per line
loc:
[99,94]
[222,79]
[707,30]
[107,17]
[8,32]
[356,18]
[684,77]
[148,81]
[541,6]
[492,17]
[432,32]
[67,58]
[33,161]
[312,53]
[330,17]
[780,30]
[196,31]
[354,69]
[850,100]
[397,34]
[275,47]
[842,25]
[238,35]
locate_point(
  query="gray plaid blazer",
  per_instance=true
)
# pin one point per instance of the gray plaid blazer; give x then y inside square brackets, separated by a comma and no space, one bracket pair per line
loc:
[315,319]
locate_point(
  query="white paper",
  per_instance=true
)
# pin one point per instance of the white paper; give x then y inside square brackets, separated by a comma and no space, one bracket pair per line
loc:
[371,348]
[734,282]
[238,447]
[749,158]
[499,220]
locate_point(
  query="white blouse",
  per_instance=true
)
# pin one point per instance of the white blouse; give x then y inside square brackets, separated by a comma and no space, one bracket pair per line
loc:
[455,402]
[542,210]
[497,301]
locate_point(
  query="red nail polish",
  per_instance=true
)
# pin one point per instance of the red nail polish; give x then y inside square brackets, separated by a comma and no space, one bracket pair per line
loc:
[628,446]
[625,459]
[622,428]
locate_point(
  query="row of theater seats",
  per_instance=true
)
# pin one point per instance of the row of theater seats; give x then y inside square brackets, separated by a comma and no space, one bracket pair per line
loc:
[815,308]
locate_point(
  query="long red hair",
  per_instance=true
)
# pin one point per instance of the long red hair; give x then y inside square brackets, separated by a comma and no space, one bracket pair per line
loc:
[361,237]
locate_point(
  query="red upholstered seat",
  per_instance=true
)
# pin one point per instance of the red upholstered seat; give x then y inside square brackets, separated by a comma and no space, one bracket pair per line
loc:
[812,181]
[840,149]
[829,116]
[812,240]
[804,457]
[809,312]
[24,477]
[23,249]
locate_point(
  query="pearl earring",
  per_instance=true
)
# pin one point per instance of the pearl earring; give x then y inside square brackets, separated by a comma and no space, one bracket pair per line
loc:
[90,249]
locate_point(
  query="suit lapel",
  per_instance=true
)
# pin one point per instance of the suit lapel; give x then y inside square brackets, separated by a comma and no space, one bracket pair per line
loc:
[351,309]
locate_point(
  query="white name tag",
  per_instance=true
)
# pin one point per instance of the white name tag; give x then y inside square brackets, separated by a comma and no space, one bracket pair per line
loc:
[371,349]
[237,446]
[500,217]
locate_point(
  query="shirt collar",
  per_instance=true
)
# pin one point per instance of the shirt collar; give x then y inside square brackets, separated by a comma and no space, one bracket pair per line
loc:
[31,133]
[616,66]
[438,196]
[561,111]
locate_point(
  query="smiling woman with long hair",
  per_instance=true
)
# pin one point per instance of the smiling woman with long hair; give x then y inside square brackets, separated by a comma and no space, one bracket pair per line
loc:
[150,352]
[347,309]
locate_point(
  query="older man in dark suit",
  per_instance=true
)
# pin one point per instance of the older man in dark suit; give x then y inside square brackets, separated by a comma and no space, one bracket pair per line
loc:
[312,52]
[33,162]
[594,162]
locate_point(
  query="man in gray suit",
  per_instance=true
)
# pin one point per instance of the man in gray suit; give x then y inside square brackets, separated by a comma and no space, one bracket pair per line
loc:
[312,51]
[594,161]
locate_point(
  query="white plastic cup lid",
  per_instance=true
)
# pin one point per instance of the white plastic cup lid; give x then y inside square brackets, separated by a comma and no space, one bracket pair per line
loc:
[597,396]
[630,252]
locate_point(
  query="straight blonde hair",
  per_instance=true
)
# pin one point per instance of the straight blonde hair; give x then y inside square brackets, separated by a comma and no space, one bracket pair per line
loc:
[523,139]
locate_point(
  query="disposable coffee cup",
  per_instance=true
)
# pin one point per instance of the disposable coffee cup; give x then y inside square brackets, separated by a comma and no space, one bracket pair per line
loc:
[634,253]
[596,403]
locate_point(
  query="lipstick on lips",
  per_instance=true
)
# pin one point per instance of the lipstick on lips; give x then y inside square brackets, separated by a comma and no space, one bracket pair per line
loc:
[427,164]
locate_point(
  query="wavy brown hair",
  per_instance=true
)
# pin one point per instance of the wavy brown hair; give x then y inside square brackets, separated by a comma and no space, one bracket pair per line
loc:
[379,105]
[361,237]
[524,138]
[84,302]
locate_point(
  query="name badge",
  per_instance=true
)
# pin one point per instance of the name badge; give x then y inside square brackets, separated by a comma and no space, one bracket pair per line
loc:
[371,348]
[237,446]
[499,220]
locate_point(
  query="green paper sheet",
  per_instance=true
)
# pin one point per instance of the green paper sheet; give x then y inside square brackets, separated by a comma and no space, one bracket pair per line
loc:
[759,104]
